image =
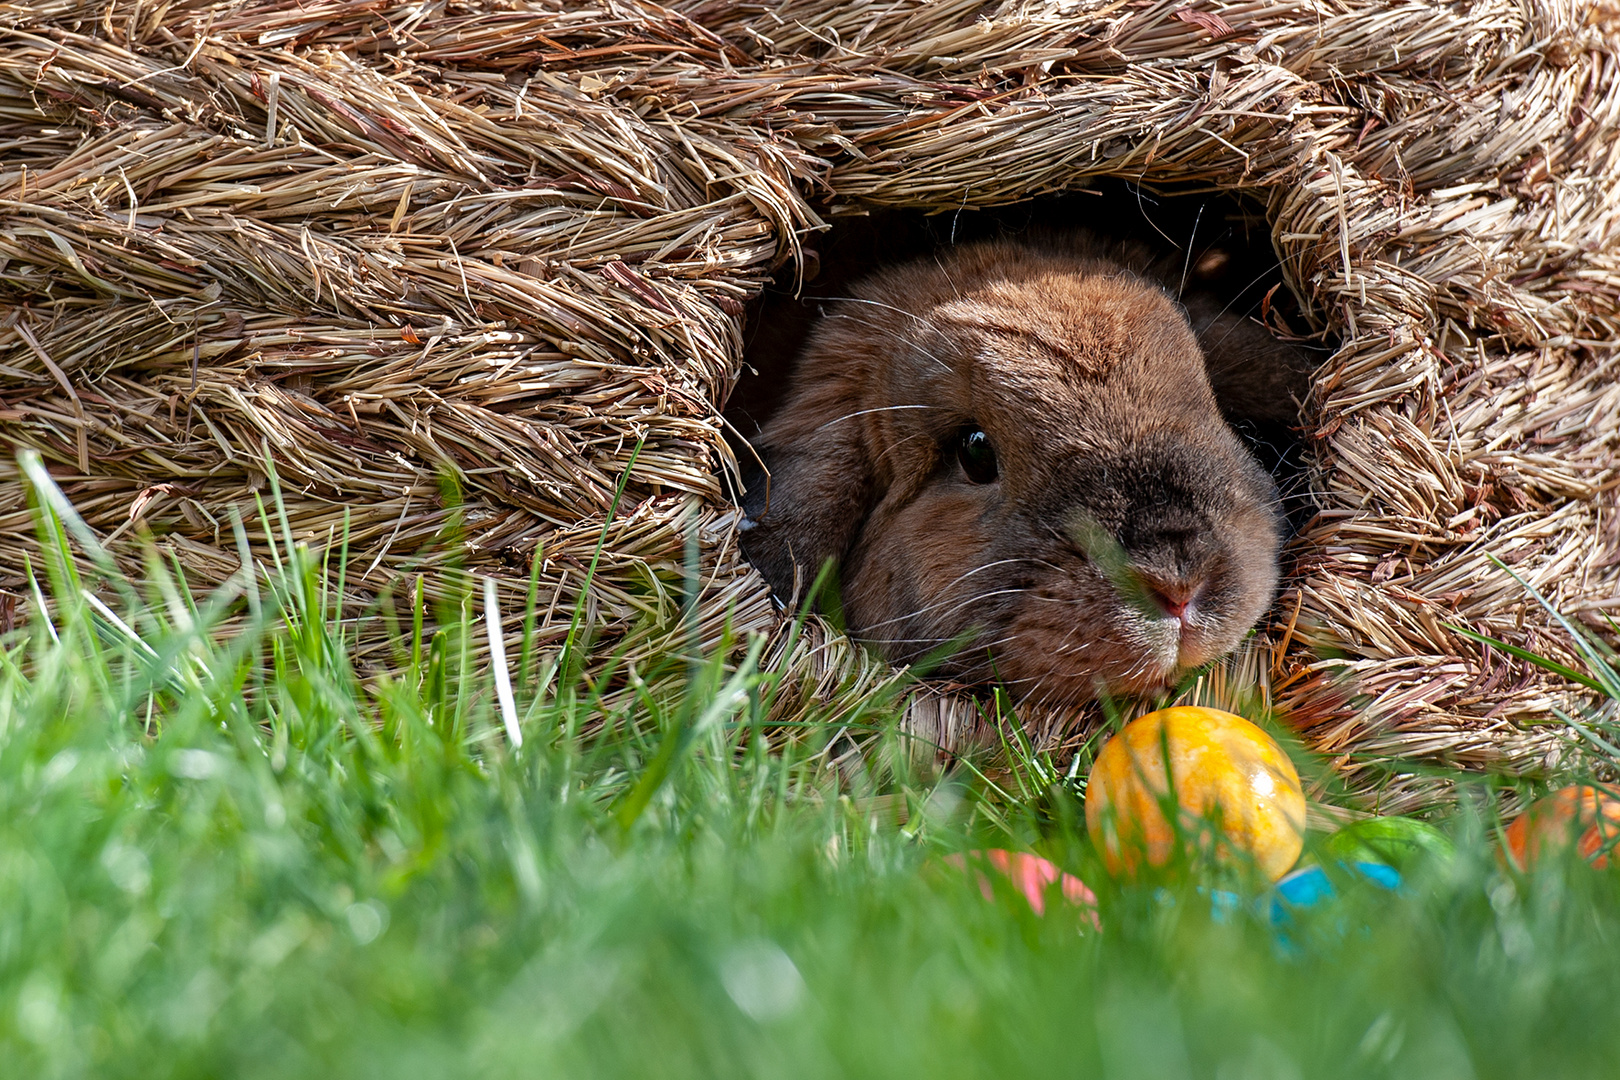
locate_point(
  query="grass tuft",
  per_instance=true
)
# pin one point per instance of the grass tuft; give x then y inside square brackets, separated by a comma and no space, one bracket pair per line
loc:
[235,854]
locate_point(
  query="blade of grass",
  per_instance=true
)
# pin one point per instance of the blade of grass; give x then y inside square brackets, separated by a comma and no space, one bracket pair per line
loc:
[497,663]
[1534,658]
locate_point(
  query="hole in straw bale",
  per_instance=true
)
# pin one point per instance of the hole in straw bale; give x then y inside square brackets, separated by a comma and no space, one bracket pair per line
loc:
[1231,258]
[1218,246]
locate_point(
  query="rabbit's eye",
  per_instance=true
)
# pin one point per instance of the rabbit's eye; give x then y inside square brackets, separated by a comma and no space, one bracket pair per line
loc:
[977,456]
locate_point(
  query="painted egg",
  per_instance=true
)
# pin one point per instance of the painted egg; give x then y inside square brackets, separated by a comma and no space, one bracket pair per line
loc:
[1311,885]
[1586,815]
[1031,875]
[1225,772]
[1394,841]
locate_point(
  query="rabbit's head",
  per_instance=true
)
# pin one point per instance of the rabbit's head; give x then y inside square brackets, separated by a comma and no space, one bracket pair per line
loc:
[1014,455]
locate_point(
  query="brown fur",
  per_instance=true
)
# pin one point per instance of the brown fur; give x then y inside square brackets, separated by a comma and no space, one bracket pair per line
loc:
[1119,482]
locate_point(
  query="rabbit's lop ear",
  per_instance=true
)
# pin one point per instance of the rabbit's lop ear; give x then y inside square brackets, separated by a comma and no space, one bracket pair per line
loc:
[807,504]
[1254,376]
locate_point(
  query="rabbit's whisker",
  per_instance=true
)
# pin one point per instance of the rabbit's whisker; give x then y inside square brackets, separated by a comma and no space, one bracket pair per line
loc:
[901,442]
[884,330]
[912,315]
[1276,264]
[992,565]
[949,606]
[957,580]
[892,336]
[868,412]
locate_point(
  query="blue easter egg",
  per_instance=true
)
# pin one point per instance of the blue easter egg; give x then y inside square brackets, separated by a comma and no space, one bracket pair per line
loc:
[1311,886]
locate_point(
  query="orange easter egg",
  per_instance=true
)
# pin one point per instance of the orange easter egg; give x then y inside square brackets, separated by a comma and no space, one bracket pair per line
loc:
[1583,814]
[1222,768]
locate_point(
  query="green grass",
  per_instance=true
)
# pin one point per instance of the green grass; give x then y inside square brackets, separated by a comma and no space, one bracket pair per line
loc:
[230,858]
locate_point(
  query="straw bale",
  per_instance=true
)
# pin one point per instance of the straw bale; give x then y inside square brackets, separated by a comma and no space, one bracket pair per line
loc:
[376,243]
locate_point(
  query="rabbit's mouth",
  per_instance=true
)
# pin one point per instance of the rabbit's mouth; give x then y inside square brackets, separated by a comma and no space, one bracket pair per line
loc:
[1169,642]
[1077,636]
[1171,645]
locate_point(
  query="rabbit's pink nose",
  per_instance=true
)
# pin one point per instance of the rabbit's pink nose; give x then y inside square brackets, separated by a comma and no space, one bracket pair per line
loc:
[1175,599]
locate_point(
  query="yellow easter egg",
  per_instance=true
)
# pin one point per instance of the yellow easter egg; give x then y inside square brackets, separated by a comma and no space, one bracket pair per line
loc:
[1222,770]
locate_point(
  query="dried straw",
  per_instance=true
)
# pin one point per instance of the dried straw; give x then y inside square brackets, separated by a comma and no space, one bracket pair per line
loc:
[377,243]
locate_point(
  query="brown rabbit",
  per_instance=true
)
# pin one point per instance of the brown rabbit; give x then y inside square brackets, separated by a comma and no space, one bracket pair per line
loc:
[1013,451]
